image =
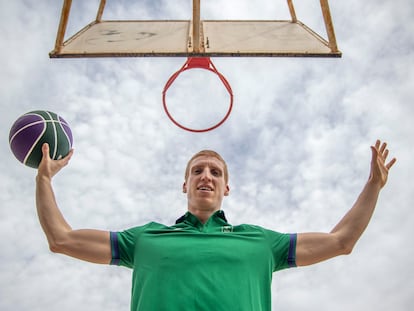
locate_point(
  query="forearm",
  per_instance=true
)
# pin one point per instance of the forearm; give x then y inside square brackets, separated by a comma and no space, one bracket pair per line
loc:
[51,219]
[315,247]
[85,244]
[353,224]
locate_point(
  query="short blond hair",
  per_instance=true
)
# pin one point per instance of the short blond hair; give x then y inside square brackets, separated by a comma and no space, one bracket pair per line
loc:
[207,153]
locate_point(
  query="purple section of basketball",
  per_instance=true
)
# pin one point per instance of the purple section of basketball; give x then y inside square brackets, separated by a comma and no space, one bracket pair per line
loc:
[66,129]
[22,139]
[22,122]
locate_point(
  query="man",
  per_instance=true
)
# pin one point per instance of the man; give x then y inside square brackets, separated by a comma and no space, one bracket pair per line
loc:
[202,262]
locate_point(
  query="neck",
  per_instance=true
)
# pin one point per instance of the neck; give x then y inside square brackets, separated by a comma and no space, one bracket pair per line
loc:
[202,215]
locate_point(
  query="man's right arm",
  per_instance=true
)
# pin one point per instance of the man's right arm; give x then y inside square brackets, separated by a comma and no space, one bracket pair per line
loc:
[86,244]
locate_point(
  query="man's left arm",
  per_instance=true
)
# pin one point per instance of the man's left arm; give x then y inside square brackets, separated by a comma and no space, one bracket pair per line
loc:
[315,247]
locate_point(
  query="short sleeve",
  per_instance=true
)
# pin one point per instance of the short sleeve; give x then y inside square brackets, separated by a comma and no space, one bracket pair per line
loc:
[283,247]
[123,245]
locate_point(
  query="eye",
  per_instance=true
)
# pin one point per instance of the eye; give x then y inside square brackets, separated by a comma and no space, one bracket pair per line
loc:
[216,173]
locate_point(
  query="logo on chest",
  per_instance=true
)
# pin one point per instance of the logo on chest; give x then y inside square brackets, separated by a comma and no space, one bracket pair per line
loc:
[227,229]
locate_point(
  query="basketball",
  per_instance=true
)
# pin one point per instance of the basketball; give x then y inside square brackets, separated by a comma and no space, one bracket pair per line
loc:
[30,131]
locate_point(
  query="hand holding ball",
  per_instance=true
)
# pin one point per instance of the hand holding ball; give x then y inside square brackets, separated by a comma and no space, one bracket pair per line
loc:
[30,131]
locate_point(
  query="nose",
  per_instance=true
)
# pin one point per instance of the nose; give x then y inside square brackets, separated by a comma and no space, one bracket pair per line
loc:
[206,175]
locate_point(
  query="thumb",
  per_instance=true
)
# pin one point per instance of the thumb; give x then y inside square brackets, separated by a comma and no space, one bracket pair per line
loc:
[374,163]
[45,151]
[374,153]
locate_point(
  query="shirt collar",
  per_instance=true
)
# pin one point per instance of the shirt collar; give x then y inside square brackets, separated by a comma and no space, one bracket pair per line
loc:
[217,217]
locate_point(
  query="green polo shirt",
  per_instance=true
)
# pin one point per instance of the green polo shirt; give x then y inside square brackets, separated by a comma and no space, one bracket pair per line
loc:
[195,267]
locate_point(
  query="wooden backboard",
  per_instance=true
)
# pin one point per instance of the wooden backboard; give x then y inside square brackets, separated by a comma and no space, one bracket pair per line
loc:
[195,37]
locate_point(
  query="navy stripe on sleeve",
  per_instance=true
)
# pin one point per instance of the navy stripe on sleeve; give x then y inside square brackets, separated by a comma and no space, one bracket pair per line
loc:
[115,249]
[292,251]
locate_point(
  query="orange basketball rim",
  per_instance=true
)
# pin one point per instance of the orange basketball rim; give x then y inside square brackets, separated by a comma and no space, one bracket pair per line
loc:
[203,63]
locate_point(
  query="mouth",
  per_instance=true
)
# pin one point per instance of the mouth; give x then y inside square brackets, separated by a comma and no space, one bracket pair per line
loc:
[205,188]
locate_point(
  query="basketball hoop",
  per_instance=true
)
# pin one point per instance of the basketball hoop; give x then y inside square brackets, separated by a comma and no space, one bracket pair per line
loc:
[203,63]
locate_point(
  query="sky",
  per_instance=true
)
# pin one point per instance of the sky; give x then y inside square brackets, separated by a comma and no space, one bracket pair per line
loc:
[297,144]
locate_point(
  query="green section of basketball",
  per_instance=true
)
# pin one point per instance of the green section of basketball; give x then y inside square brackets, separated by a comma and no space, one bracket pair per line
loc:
[47,115]
[55,134]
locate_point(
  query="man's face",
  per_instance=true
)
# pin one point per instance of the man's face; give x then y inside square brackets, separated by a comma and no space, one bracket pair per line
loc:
[205,185]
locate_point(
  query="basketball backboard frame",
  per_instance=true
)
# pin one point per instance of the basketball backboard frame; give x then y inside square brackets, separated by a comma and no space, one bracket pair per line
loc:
[195,37]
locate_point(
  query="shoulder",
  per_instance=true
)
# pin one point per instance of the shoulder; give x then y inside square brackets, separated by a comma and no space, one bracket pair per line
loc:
[255,228]
[268,234]
[142,228]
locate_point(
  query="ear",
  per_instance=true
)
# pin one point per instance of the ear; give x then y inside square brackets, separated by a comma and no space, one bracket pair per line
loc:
[227,191]
[184,188]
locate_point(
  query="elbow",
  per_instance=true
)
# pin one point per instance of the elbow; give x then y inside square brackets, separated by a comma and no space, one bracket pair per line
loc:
[59,241]
[345,247]
[347,250]
[54,248]
[57,246]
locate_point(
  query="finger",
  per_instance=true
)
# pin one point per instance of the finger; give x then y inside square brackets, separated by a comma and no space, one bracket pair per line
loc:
[67,158]
[71,151]
[391,163]
[385,154]
[377,144]
[383,147]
